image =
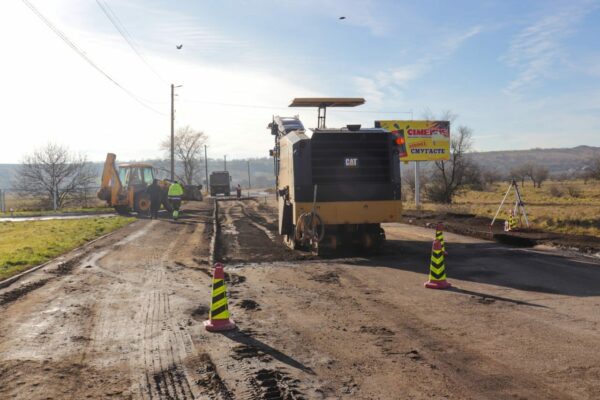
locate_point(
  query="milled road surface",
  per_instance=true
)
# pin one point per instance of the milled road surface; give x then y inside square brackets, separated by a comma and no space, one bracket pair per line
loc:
[123,319]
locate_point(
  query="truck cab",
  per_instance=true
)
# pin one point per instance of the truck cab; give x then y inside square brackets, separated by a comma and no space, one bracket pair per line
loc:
[220,183]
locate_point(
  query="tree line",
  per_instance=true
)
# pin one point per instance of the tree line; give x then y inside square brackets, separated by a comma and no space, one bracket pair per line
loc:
[55,175]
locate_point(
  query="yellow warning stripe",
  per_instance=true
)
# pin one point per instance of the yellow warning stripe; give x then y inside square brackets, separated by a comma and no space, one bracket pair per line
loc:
[437,270]
[218,307]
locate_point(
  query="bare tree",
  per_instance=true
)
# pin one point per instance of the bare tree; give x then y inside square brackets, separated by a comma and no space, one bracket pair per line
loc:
[188,150]
[449,177]
[491,176]
[473,176]
[520,173]
[538,175]
[592,170]
[53,173]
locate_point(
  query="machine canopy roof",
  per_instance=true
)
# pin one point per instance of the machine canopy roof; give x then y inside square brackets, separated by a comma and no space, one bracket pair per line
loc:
[327,102]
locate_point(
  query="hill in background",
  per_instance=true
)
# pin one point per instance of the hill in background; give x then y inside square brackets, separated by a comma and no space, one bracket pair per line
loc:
[558,161]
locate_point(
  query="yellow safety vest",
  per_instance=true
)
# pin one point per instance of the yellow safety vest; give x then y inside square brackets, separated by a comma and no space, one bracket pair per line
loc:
[175,190]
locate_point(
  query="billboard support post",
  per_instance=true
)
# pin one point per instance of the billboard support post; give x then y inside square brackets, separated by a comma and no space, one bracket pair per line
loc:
[417,187]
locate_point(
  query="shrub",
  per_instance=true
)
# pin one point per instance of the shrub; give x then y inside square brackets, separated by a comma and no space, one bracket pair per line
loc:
[573,191]
[555,191]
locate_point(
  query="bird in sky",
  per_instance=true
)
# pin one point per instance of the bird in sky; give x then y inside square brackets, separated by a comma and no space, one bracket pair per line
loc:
[179,46]
[342,18]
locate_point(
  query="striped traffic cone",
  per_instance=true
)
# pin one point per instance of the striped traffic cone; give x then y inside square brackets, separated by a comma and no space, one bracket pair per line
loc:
[219,313]
[439,235]
[437,268]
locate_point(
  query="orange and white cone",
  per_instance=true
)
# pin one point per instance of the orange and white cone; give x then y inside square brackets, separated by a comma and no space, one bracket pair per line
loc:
[219,318]
[437,268]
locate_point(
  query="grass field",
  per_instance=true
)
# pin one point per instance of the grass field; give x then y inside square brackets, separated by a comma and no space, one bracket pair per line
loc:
[66,210]
[25,244]
[571,207]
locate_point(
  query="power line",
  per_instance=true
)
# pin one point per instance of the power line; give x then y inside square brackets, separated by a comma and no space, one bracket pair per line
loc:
[82,54]
[116,22]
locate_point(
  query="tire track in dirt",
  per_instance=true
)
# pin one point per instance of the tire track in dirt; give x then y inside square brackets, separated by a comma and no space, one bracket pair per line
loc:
[258,370]
[117,326]
[247,236]
[164,376]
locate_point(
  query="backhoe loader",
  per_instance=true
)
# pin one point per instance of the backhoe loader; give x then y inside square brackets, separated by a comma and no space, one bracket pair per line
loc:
[124,188]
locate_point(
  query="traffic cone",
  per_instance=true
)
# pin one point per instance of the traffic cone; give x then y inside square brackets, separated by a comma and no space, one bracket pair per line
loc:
[512,221]
[437,268]
[219,319]
[439,235]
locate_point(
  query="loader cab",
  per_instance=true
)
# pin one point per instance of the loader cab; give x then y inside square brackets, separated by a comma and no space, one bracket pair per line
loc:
[132,175]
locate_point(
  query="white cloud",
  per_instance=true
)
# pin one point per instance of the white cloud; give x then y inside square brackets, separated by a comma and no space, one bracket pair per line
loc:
[397,79]
[453,42]
[538,48]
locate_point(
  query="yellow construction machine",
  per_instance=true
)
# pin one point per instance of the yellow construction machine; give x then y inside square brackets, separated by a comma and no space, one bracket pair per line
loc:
[336,187]
[124,188]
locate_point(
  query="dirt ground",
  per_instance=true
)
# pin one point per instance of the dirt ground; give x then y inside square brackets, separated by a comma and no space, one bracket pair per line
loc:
[123,318]
[469,224]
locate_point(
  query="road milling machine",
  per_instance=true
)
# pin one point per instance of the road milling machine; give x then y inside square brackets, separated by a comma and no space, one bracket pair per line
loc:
[336,187]
[124,188]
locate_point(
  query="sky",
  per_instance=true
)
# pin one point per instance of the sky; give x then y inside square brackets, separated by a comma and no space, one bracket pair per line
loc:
[521,74]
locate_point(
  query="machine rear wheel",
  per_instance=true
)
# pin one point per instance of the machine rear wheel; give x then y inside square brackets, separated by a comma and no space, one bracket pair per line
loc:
[122,210]
[141,203]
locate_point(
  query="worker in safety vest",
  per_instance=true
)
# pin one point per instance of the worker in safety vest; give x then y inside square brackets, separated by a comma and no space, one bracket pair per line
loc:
[175,194]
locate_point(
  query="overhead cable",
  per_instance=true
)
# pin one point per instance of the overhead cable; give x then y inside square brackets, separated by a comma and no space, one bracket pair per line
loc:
[116,22]
[82,54]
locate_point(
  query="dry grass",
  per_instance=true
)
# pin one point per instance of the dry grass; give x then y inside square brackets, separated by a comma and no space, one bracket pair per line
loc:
[25,244]
[29,206]
[571,207]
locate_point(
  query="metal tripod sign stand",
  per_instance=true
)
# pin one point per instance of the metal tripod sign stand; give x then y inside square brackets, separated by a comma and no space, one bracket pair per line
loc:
[519,207]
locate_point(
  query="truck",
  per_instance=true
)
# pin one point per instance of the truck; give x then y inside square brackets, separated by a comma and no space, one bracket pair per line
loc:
[220,183]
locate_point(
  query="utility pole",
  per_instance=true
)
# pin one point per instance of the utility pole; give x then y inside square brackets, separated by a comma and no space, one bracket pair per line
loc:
[417,186]
[206,168]
[249,184]
[225,162]
[172,132]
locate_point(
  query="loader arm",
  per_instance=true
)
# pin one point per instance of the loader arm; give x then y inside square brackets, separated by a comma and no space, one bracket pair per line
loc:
[111,184]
